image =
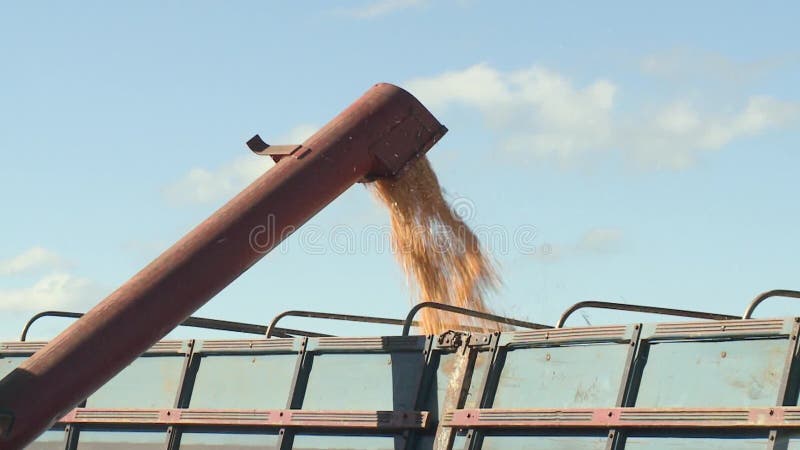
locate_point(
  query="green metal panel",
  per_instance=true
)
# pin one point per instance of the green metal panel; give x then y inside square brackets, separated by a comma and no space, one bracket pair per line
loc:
[9,363]
[228,441]
[538,442]
[793,441]
[366,381]
[243,381]
[743,372]
[149,382]
[446,387]
[482,362]
[703,365]
[49,440]
[333,442]
[585,376]
[700,443]
[121,440]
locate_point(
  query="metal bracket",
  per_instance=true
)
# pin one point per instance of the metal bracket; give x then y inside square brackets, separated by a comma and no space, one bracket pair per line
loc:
[276,152]
[451,339]
[479,340]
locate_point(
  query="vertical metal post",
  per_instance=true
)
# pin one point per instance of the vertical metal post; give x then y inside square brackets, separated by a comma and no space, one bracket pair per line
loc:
[297,392]
[423,391]
[183,394]
[614,437]
[470,354]
[474,437]
[787,392]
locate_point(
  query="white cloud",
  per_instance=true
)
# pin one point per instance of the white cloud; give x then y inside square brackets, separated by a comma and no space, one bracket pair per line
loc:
[201,185]
[380,8]
[594,242]
[56,290]
[695,64]
[298,134]
[677,133]
[479,85]
[600,241]
[31,260]
[543,114]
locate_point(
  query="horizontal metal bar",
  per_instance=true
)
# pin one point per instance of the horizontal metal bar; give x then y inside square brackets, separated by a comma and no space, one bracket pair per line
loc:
[763,418]
[196,322]
[30,347]
[576,335]
[245,346]
[291,332]
[275,418]
[641,309]
[466,312]
[357,345]
[272,328]
[726,329]
[748,313]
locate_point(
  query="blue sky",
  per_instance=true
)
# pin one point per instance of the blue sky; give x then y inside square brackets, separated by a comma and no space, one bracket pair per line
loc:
[652,148]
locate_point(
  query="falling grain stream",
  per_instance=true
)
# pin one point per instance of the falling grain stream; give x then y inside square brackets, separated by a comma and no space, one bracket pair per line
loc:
[441,256]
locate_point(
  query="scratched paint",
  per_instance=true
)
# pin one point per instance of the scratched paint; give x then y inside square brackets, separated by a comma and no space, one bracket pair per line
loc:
[586,376]
[744,372]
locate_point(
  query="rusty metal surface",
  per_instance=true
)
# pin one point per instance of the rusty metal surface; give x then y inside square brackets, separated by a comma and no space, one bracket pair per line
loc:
[275,418]
[777,417]
[376,136]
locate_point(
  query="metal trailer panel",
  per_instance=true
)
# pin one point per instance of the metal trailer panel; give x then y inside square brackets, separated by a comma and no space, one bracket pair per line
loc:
[728,385]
